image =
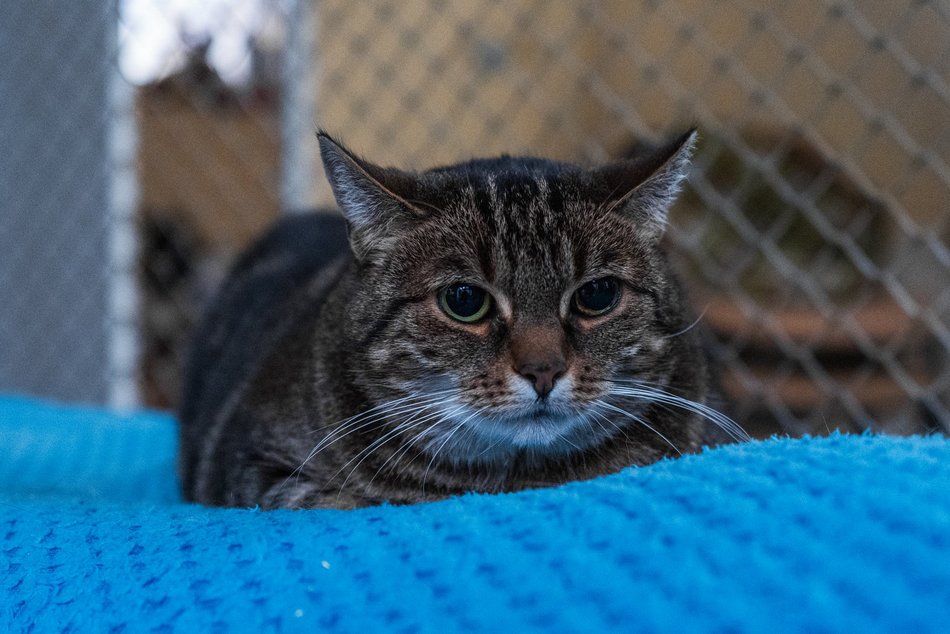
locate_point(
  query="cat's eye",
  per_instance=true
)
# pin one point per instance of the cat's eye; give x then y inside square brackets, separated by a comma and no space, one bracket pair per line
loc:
[596,297]
[465,302]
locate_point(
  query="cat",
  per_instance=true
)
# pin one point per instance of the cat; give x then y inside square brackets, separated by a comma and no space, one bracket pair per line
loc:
[489,326]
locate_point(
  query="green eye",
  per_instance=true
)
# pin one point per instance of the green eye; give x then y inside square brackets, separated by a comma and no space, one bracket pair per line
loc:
[596,297]
[465,302]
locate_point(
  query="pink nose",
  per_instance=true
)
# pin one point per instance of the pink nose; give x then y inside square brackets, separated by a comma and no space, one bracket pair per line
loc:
[543,375]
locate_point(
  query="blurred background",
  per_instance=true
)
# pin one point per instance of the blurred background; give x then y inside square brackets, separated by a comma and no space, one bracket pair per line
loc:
[146,142]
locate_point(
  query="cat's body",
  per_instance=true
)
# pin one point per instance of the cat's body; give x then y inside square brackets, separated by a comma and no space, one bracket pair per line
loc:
[455,348]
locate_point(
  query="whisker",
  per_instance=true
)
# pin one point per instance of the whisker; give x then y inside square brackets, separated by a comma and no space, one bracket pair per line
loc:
[447,438]
[718,418]
[426,400]
[489,447]
[376,415]
[638,420]
[402,427]
[380,406]
[650,393]
[689,327]
[447,415]
[603,417]
[588,418]
[565,439]
[404,448]
[358,424]
[367,451]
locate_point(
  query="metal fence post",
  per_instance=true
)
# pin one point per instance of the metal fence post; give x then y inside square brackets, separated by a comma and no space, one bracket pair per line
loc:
[298,180]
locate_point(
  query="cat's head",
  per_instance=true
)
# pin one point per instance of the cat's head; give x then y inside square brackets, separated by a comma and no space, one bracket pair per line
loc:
[508,298]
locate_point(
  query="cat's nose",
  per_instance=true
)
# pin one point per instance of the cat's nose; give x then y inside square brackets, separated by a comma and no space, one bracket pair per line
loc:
[539,354]
[543,374]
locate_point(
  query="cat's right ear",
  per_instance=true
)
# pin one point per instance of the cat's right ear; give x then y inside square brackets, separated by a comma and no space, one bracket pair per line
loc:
[373,199]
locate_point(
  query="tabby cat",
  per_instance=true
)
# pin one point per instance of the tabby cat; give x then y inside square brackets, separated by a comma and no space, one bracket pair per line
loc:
[488,326]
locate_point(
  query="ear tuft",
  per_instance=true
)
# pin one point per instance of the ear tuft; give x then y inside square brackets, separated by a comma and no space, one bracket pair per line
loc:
[643,188]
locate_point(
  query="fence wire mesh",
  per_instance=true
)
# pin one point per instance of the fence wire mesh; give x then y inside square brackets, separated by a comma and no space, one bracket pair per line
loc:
[46,166]
[813,235]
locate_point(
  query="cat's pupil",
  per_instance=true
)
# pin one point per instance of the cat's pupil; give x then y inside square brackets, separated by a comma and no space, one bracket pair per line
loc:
[465,302]
[597,297]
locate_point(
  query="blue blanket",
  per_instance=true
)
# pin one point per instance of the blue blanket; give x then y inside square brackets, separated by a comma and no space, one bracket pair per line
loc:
[846,533]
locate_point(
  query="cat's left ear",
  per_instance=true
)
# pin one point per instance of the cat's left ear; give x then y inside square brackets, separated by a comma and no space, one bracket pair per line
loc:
[373,199]
[643,188]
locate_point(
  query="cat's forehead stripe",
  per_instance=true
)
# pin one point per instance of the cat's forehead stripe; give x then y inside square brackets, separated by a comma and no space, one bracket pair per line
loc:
[492,191]
[529,233]
[543,186]
[528,243]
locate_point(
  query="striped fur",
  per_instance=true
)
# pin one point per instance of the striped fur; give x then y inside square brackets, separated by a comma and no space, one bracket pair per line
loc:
[328,376]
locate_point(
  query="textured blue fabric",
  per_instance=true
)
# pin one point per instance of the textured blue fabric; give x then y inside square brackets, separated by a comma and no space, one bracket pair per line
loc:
[846,533]
[49,448]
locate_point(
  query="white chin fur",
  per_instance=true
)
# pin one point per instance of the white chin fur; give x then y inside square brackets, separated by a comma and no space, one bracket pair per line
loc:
[497,439]
[543,433]
[480,437]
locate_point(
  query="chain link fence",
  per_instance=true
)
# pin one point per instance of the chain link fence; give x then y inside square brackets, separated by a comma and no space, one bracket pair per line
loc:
[813,235]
